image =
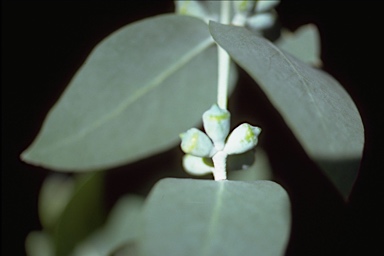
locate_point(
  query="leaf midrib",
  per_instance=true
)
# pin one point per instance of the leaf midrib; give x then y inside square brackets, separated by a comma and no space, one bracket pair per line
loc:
[141,92]
[214,220]
[304,81]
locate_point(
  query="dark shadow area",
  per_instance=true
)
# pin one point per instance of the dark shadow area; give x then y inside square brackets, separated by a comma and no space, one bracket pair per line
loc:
[140,176]
[343,173]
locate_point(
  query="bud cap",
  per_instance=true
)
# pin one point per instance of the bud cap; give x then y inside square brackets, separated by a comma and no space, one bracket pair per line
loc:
[216,124]
[196,165]
[196,143]
[261,21]
[242,139]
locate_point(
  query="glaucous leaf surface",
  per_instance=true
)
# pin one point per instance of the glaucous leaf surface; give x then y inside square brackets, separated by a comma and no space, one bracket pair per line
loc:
[315,106]
[205,217]
[82,215]
[304,44]
[39,243]
[137,91]
[121,228]
[127,250]
[55,194]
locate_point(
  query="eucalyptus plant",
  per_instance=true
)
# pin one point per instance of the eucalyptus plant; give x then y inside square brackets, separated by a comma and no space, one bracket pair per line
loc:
[148,87]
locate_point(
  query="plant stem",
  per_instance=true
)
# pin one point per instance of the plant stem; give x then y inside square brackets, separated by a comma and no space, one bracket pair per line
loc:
[224,61]
[220,163]
[220,158]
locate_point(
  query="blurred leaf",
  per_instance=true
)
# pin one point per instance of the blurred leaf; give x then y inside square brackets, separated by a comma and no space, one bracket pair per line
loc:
[260,169]
[205,10]
[83,214]
[55,194]
[138,90]
[129,249]
[39,243]
[121,229]
[304,44]
[205,217]
[314,105]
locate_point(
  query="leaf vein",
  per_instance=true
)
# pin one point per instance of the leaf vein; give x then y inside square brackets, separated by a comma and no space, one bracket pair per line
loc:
[154,83]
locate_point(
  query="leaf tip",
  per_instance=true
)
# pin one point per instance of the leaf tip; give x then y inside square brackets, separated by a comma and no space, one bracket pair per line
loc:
[25,156]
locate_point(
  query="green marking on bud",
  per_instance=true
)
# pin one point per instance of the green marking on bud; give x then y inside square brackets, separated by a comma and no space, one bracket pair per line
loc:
[195,165]
[243,6]
[192,143]
[184,8]
[196,143]
[219,118]
[216,125]
[208,161]
[250,136]
[242,139]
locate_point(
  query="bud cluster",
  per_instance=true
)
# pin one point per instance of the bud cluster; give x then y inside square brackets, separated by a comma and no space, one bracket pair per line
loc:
[257,15]
[215,144]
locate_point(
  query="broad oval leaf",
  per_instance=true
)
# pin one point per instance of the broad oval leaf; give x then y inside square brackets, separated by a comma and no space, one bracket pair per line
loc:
[315,106]
[139,88]
[304,44]
[205,217]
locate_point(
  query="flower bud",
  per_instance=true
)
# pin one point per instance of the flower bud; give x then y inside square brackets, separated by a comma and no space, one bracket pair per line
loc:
[244,6]
[198,9]
[242,139]
[216,125]
[196,143]
[265,5]
[241,11]
[196,165]
[261,21]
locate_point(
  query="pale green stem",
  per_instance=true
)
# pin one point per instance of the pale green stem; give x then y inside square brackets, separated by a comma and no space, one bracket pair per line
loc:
[224,60]
[220,158]
[220,163]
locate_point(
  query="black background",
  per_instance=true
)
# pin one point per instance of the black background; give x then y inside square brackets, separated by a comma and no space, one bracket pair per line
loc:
[44,43]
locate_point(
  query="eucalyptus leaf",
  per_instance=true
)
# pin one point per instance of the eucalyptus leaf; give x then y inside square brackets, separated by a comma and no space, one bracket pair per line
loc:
[205,217]
[304,44]
[39,243]
[55,194]
[122,228]
[314,105]
[82,215]
[129,249]
[137,91]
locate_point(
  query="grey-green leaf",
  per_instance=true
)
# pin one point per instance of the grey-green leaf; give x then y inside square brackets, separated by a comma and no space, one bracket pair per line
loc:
[205,217]
[315,106]
[138,90]
[121,228]
[304,44]
[39,243]
[55,194]
[83,214]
